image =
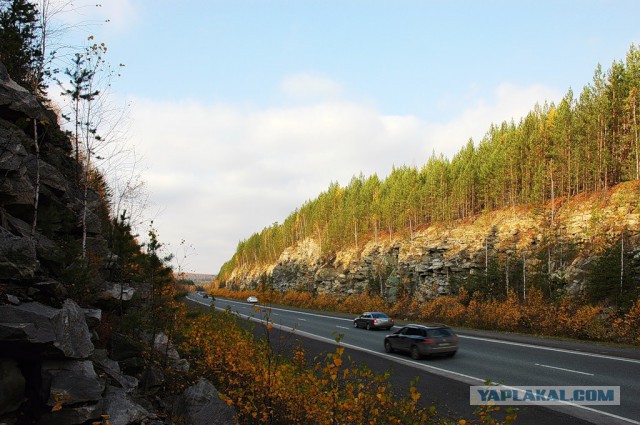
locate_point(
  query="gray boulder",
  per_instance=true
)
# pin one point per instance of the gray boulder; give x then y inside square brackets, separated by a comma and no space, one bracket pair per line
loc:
[111,369]
[63,331]
[17,98]
[117,291]
[121,410]
[71,382]
[17,257]
[201,404]
[72,415]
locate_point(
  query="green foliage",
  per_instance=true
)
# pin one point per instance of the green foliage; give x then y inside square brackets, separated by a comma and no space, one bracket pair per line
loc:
[580,145]
[612,277]
[79,279]
[19,49]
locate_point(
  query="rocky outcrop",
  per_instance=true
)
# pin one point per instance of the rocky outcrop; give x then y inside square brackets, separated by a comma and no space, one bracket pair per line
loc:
[50,370]
[427,263]
[62,332]
[201,404]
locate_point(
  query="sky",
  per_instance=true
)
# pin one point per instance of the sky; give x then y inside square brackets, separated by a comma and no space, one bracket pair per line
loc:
[240,111]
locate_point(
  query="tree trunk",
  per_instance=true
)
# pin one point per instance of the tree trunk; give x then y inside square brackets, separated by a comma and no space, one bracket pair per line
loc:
[36,195]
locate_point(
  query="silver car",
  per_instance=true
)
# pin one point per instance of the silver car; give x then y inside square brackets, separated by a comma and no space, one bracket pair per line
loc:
[373,320]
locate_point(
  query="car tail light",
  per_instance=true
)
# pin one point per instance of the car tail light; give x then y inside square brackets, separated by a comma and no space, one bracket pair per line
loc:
[375,321]
[427,340]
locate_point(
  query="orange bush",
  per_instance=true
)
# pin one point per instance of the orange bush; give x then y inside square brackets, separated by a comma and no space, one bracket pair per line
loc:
[264,388]
[570,318]
[627,327]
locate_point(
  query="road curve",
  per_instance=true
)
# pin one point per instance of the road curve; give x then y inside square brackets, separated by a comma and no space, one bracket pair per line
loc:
[520,361]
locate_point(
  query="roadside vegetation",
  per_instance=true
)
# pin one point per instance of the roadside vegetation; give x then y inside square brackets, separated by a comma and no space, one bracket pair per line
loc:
[571,318]
[269,388]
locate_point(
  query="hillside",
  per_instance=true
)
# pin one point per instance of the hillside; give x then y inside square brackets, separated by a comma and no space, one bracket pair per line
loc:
[557,258]
[544,202]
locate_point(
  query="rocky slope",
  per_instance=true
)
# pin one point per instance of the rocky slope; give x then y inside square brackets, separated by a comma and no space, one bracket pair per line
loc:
[50,369]
[443,253]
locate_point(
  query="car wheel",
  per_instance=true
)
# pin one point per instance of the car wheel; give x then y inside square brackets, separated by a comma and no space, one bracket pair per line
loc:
[415,353]
[368,327]
[355,324]
[451,354]
[387,347]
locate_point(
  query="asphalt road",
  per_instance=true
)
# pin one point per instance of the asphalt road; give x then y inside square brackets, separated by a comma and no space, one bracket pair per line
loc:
[511,360]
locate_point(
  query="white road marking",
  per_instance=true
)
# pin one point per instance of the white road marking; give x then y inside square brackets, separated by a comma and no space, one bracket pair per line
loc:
[342,327]
[495,341]
[301,319]
[559,350]
[439,371]
[561,368]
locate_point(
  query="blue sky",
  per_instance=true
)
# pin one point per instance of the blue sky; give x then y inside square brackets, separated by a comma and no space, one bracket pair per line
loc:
[242,110]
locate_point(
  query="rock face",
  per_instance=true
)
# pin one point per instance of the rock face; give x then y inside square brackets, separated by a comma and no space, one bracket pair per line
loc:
[200,404]
[50,371]
[428,263]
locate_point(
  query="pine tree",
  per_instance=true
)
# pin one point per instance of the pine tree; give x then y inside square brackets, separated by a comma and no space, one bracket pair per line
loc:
[19,47]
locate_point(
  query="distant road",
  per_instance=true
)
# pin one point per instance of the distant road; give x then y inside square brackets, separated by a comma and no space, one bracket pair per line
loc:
[528,361]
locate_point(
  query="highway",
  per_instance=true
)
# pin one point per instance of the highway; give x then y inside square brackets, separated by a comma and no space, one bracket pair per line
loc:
[480,359]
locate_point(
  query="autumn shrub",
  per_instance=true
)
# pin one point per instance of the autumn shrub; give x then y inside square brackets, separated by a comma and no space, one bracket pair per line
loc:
[266,388]
[357,303]
[587,323]
[298,299]
[474,315]
[405,308]
[569,317]
[442,309]
[508,314]
[627,327]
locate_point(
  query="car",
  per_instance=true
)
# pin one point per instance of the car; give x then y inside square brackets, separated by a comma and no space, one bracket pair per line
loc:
[373,320]
[252,299]
[423,340]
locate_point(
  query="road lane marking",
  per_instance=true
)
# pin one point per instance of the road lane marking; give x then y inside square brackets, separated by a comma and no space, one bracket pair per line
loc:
[559,350]
[301,319]
[342,327]
[300,312]
[427,368]
[495,341]
[561,368]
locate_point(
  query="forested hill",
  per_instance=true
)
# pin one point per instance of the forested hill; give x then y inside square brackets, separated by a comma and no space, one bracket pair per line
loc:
[587,142]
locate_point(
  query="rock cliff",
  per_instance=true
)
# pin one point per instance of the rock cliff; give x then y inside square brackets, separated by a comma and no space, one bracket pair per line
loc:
[50,369]
[442,254]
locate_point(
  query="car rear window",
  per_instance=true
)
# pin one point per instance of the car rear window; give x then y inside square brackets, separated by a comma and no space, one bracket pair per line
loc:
[440,333]
[380,315]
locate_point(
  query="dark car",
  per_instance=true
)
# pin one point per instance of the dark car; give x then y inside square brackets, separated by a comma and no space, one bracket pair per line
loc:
[423,340]
[373,320]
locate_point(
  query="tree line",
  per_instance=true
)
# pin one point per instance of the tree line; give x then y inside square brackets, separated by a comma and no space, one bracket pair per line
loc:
[584,143]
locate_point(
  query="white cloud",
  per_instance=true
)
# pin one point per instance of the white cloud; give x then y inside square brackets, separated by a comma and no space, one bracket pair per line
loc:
[310,87]
[222,172]
[510,102]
